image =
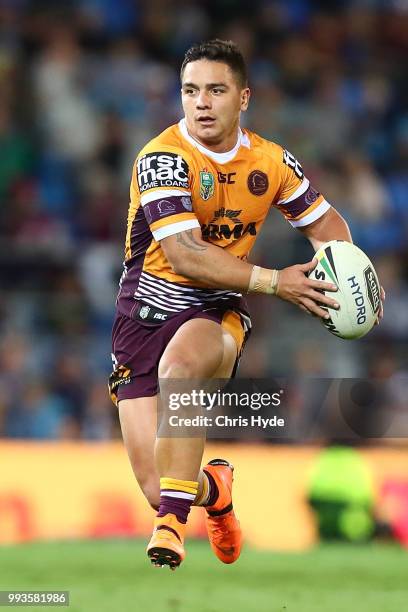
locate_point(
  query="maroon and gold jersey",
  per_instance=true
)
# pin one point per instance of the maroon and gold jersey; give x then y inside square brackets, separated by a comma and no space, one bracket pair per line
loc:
[178,184]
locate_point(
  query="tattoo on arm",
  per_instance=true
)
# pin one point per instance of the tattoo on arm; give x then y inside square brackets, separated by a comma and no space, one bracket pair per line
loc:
[187,240]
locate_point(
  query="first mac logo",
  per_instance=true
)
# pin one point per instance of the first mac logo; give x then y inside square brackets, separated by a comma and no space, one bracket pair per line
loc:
[161,170]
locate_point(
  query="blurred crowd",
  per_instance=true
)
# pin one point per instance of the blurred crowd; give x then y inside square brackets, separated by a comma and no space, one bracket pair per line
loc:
[85,83]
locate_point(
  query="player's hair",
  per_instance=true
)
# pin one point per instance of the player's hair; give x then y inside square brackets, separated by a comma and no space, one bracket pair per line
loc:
[225,51]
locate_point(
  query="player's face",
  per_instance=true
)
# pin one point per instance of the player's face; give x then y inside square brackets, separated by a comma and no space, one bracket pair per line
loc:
[212,102]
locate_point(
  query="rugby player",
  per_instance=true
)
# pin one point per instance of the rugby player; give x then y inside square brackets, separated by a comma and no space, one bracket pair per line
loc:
[200,192]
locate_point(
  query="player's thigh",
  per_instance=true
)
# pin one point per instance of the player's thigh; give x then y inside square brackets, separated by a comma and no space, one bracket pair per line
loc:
[138,420]
[200,348]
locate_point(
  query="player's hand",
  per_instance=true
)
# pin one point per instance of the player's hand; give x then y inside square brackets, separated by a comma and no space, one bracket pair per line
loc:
[381,311]
[295,286]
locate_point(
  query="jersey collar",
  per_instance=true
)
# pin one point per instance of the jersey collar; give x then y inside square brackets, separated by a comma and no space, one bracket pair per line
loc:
[221,158]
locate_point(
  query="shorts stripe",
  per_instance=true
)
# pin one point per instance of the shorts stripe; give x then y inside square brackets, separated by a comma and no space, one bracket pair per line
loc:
[151,287]
[146,300]
[175,297]
[166,283]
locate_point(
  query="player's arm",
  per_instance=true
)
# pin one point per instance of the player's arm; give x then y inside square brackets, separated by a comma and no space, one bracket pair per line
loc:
[330,226]
[194,258]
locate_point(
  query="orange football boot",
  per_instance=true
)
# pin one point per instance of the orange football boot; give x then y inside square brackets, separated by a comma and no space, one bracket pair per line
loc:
[166,546]
[223,528]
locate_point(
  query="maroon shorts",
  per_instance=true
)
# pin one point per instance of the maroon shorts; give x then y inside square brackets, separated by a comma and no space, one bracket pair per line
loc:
[139,342]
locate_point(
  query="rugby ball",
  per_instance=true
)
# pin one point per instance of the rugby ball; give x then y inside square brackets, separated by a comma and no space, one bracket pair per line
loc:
[348,267]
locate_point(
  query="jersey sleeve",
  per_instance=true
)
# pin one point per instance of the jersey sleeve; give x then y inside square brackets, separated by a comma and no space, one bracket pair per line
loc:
[297,200]
[161,181]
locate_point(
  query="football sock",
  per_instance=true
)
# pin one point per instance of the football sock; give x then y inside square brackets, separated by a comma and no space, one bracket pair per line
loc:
[176,497]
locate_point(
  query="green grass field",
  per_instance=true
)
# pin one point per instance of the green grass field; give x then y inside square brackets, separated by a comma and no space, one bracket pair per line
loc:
[110,576]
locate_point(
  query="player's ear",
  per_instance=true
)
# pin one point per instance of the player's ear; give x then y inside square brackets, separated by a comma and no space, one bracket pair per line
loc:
[245,95]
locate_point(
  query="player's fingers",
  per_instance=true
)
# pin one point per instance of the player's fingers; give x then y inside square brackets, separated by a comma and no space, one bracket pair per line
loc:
[380,314]
[308,266]
[381,310]
[321,285]
[318,297]
[314,309]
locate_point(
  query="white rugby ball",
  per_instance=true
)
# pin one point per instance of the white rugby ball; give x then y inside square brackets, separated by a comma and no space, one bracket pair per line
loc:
[348,267]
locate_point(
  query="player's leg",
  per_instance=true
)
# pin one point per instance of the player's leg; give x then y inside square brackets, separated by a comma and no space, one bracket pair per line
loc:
[200,349]
[223,528]
[138,416]
[138,421]
[133,389]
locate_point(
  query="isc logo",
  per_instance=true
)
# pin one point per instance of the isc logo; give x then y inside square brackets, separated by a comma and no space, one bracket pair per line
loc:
[161,170]
[226,177]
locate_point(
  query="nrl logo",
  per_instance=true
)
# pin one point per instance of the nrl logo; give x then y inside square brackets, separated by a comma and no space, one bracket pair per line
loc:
[144,312]
[206,185]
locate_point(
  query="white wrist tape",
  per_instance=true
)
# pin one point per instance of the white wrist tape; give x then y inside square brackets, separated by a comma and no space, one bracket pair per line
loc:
[263,280]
